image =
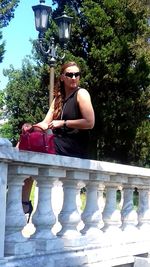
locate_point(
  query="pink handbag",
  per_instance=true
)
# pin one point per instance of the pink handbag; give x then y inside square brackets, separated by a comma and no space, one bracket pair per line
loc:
[34,138]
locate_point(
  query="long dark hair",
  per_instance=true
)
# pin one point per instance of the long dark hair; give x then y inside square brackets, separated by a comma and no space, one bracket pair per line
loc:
[59,90]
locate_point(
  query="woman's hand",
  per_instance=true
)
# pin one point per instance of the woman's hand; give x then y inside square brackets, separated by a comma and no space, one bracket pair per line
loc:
[43,125]
[56,124]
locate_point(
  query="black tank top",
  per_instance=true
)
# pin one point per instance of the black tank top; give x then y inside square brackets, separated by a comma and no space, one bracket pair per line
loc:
[68,141]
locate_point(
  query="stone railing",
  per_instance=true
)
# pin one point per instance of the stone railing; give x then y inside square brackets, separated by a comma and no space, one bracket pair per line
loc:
[105,234]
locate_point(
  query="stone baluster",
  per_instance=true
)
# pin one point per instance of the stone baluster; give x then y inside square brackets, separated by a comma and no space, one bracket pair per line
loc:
[92,215]
[3,187]
[144,209]
[128,213]
[44,218]
[129,216]
[69,216]
[15,243]
[111,215]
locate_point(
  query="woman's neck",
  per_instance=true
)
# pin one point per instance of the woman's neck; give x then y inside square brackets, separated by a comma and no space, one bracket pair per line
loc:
[69,91]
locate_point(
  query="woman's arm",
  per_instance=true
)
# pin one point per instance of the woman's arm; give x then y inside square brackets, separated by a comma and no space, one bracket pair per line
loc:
[86,109]
[48,118]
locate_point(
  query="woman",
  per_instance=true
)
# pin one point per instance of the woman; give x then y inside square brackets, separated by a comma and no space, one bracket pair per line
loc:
[71,114]
[70,117]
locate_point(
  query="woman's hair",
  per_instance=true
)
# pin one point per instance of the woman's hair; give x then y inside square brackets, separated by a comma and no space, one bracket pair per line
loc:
[59,91]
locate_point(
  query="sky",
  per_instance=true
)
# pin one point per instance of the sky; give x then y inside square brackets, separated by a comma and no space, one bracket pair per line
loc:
[17,36]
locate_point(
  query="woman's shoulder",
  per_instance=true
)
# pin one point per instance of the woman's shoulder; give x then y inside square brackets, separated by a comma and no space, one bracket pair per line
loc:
[83,92]
[81,89]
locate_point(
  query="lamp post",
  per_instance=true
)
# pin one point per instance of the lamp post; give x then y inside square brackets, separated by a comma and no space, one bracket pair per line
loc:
[42,14]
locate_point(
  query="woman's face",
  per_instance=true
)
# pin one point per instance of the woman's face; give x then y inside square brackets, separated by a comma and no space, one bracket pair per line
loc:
[71,77]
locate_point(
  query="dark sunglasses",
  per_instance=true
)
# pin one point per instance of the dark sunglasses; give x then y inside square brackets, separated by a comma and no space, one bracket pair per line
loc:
[71,74]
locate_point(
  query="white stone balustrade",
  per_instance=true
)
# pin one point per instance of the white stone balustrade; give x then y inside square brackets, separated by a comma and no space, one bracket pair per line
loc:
[112,233]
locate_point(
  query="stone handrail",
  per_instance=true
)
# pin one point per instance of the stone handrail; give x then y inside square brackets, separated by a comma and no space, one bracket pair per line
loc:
[110,232]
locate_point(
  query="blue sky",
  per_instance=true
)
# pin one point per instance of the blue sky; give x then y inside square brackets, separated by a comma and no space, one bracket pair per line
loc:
[17,36]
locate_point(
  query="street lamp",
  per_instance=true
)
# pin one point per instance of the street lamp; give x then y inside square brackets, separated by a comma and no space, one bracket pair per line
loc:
[42,14]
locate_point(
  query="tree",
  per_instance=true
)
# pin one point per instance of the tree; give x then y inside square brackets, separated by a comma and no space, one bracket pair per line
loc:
[7,8]
[6,131]
[1,99]
[2,45]
[26,98]
[142,144]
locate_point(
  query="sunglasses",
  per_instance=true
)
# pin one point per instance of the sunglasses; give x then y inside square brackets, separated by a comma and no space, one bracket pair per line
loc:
[71,74]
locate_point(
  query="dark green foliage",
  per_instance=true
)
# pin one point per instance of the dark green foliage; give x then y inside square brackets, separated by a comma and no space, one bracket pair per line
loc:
[120,72]
[2,45]
[6,131]
[141,146]
[1,99]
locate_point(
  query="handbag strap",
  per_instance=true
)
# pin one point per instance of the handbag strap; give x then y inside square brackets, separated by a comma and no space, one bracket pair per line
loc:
[36,128]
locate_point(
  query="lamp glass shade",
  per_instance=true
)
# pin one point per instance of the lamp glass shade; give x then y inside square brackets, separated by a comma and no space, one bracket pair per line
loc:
[41,13]
[64,27]
[64,32]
